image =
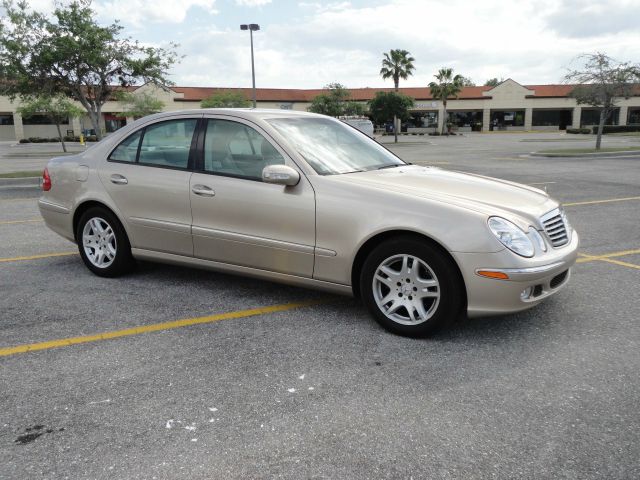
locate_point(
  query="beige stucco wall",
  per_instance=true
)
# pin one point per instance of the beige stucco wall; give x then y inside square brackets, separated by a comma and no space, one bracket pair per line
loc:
[7,132]
[509,95]
[43,131]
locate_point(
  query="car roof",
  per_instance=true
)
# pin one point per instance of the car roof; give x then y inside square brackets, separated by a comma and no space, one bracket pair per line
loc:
[248,113]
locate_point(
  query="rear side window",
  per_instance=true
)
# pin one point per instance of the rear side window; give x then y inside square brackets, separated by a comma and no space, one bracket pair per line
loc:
[127,150]
[168,143]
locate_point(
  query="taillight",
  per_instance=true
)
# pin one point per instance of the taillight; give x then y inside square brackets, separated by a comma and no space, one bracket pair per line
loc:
[46,180]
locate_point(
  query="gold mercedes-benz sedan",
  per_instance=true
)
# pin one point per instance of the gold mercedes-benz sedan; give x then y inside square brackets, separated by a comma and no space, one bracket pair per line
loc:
[308,200]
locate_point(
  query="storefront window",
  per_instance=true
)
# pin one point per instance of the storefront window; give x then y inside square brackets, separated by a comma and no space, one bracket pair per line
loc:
[551,118]
[502,119]
[41,120]
[634,116]
[471,119]
[113,123]
[423,120]
[591,116]
[6,119]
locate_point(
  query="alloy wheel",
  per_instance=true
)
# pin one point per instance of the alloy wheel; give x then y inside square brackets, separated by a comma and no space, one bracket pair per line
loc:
[99,242]
[406,290]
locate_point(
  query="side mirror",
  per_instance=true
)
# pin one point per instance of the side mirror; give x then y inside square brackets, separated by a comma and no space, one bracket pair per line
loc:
[280,175]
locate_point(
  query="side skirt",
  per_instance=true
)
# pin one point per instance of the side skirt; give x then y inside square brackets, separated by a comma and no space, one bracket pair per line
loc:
[242,271]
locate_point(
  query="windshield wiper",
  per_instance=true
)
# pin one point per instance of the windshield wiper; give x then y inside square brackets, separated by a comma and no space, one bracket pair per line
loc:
[392,165]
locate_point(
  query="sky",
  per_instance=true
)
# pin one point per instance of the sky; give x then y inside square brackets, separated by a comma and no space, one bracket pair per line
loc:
[308,44]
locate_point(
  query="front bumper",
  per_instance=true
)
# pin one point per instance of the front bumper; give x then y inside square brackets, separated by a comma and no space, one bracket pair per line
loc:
[529,281]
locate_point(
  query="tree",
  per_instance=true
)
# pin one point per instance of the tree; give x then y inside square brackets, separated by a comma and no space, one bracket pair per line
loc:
[468,82]
[70,54]
[335,102]
[225,99]
[397,64]
[57,109]
[387,105]
[493,82]
[601,83]
[446,86]
[355,109]
[138,105]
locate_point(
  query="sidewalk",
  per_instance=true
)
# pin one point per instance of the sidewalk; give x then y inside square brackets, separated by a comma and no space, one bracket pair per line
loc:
[18,157]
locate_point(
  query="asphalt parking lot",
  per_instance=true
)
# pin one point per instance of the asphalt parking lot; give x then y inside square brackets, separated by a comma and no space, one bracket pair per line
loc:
[188,374]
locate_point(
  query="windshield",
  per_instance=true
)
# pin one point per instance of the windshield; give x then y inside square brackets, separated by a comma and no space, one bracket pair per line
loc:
[331,147]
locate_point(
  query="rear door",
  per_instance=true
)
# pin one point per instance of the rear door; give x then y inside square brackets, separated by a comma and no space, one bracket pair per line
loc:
[147,176]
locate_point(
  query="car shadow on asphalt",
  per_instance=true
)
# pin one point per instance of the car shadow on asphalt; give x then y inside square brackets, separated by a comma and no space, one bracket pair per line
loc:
[533,322]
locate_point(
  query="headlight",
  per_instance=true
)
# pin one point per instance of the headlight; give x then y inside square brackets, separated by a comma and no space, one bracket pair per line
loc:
[538,239]
[511,236]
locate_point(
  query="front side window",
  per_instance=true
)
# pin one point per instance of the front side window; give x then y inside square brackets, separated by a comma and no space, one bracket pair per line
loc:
[231,148]
[168,143]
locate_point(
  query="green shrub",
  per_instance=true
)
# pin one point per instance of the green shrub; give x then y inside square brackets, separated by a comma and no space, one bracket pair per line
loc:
[579,130]
[24,140]
[617,129]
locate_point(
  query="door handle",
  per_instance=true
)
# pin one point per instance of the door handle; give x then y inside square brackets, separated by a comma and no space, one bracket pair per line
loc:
[203,191]
[119,179]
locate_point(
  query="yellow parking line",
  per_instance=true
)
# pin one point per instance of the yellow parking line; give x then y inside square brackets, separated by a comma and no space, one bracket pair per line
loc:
[37,257]
[590,258]
[609,258]
[66,342]
[12,222]
[594,202]
[618,262]
[619,254]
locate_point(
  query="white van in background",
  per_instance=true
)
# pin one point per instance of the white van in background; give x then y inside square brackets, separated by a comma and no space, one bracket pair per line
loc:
[361,123]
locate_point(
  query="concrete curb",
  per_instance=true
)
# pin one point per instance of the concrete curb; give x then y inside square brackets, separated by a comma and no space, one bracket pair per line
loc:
[30,181]
[631,153]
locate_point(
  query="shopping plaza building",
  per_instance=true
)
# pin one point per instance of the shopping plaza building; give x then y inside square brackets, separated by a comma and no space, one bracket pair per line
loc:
[508,106]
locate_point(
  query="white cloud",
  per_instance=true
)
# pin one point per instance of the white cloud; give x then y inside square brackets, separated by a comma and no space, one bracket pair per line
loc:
[315,42]
[139,12]
[480,40]
[252,3]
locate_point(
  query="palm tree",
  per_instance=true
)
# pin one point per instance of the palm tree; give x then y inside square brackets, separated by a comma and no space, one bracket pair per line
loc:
[447,86]
[397,64]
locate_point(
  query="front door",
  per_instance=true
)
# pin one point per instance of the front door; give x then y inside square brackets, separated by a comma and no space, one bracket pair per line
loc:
[238,219]
[147,176]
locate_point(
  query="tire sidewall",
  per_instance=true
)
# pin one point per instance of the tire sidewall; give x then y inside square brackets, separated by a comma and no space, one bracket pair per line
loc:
[450,303]
[123,260]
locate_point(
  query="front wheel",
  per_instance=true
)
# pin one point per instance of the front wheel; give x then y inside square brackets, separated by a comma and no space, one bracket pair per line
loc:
[410,287]
[103,243]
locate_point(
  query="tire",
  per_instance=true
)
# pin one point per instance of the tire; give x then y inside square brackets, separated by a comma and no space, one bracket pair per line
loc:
[411,287]
[103,243]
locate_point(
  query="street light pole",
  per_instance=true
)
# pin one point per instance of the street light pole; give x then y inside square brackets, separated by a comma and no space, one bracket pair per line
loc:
[252,27]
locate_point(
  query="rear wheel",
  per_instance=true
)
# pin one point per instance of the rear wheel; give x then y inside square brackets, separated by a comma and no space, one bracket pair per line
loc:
[103,243]
[411,287]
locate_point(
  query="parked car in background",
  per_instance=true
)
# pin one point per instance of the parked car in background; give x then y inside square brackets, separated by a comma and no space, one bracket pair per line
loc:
[361,123]
[305,199]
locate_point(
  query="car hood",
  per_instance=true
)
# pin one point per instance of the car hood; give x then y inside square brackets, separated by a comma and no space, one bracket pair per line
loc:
[483,194]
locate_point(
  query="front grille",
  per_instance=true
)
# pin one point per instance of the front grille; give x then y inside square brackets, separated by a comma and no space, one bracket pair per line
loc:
[555,228]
